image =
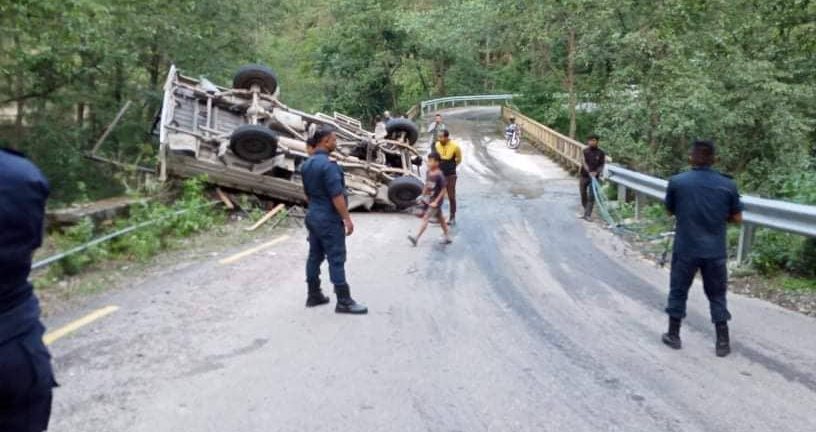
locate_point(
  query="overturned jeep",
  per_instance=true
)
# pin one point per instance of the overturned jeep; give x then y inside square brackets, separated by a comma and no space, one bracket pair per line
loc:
[244,138]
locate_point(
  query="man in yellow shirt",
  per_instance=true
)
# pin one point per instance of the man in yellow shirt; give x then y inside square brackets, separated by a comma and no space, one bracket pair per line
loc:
[451,156]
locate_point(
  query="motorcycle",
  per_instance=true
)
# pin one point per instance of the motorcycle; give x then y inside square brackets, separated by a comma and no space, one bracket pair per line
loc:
[513,138]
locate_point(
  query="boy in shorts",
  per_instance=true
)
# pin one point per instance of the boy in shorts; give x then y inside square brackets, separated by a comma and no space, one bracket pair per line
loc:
[435,191]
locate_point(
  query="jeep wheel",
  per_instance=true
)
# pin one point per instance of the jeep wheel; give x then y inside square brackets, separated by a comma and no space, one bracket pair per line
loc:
[259,75]
[403,191]
[402,129]
[254,143]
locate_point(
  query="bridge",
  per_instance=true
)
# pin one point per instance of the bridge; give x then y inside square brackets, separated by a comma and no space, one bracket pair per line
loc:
[531,320]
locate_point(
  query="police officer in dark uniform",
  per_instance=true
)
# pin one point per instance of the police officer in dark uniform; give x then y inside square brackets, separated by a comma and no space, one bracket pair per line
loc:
[26,378]
[328,222]
[703,202]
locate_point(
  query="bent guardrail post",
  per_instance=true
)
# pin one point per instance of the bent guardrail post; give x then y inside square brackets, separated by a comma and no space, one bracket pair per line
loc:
[746,241]
[640,204]
[621,193]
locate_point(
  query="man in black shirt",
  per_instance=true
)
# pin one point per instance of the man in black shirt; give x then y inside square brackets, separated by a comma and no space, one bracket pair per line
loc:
[26,378]
[592,167]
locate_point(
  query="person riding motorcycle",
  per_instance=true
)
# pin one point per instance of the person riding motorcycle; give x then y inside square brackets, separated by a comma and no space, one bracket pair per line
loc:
[511,128]
[512,134]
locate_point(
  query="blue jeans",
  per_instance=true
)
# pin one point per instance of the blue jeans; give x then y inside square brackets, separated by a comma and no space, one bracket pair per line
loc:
[715,285]
[327,240]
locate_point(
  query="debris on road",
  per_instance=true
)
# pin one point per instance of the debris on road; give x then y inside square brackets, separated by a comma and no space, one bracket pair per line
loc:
[267,216]
[225,199]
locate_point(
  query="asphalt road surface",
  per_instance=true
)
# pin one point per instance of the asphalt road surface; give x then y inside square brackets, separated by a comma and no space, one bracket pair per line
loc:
[530,321]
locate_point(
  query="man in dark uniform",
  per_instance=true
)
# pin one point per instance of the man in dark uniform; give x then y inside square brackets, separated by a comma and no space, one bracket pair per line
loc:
[592,167]
[328,222]
[26,378]
[703,201]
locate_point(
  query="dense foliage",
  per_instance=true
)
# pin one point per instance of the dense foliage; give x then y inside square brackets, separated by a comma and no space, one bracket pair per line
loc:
[647,76]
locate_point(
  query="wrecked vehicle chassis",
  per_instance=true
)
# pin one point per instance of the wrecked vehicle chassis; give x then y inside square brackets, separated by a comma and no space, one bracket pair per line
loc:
[244,138]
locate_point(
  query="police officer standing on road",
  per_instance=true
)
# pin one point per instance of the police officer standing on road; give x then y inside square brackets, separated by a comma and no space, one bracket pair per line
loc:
[703,202]
[328,222]
[594,160]
[26,377]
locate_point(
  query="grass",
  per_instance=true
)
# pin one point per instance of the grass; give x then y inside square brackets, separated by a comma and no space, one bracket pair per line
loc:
[797,284]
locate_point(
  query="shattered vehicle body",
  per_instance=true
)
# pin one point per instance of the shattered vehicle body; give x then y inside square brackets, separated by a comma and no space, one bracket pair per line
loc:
[244,138]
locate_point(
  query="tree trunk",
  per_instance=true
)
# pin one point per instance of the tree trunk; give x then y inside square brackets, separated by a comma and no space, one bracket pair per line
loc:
[488,62]
[80,114]
[425,88]
[119,81]
[155,64]
[19,92]
[440,67]
[570,81]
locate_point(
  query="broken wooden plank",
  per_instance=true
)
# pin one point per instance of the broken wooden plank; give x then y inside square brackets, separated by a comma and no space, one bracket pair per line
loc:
[224,198]
[110,128]
[266,217]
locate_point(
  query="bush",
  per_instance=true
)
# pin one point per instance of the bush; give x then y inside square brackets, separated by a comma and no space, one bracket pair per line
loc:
[190,214]
[805,264]
[74,236]
[775,251]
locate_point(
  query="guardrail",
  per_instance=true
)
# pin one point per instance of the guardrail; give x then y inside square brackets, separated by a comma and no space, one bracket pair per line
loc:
[426,107]
[759,212]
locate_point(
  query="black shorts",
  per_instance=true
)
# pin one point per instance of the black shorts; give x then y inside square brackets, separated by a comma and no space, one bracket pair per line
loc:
[26,383]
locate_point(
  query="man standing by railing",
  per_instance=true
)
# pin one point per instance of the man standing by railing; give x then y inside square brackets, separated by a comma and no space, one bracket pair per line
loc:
[451,156]
[592,167]
[703,202]
[435,128]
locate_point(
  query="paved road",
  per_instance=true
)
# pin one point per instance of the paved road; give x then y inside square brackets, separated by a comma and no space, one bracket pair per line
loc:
[530,321]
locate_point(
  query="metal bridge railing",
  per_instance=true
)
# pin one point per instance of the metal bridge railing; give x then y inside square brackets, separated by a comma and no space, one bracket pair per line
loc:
[759,212]
[429,106]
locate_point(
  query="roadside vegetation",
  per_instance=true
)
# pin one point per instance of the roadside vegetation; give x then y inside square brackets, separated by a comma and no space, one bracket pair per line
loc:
[191,213]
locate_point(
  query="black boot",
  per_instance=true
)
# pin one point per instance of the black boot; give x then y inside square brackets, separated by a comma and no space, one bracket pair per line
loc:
[588,210]
[672,338]
[723,346]
[316,297]
[346,304]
